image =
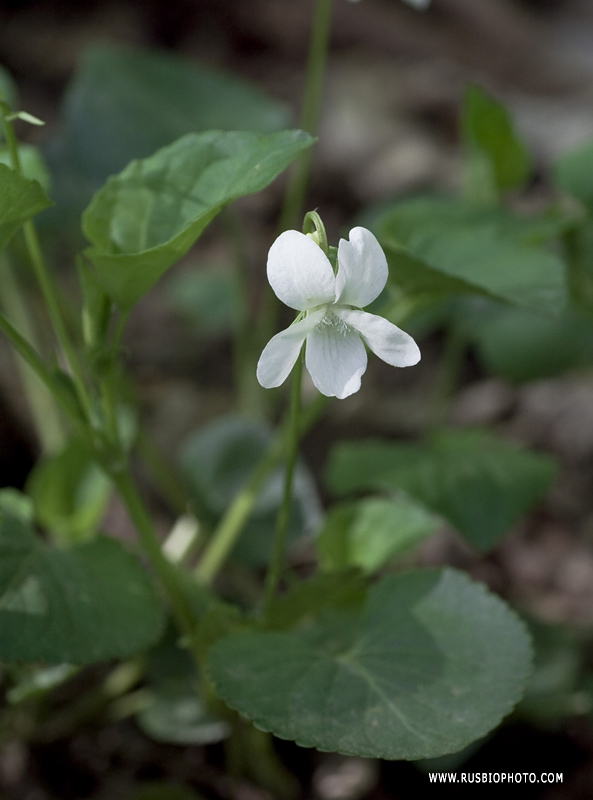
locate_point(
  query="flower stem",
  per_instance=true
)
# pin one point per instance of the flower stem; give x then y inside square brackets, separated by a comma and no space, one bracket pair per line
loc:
[447,377]
[316,68]
[230,526]
[277,560]
[42,274]
[166,571]
[30,356]
[233,521]
[44,412]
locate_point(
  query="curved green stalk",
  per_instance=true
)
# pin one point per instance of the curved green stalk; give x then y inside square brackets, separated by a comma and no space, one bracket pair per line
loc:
[28,354]
[42,274]
[298,181]
[166,571]
[277,560]
[44,412]
[316,68]
[230,526]
[234,520]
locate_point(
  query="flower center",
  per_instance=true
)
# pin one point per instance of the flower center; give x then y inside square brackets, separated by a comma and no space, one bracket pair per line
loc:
[333,320]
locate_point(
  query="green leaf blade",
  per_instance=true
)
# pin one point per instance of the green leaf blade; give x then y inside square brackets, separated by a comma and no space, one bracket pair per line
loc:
[148,216]
[445,247]
[481,484]
[432,662]
[573,173]
[488,130]
[86,604]
[20,199]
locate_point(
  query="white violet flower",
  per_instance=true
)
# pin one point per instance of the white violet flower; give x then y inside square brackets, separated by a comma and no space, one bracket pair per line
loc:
[331,323]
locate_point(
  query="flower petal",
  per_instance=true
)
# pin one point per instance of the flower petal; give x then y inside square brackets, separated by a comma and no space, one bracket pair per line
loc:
[385,340]
[362,269]
[281,352]
[336,360]
[299,272]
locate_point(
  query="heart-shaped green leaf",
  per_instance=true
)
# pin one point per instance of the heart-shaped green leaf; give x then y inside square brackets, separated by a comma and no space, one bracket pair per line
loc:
[431,662]
[573,172]
[86,604]
[20,199]
[69,493]
[144,219]
[371,532]
[441,246]
[488,130]
[481,484]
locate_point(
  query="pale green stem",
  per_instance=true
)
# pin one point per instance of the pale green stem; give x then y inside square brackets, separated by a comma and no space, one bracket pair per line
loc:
[277,561]
[168,573]
[298,181]
[44,412]
[447,377]
[28,354]
[42,274]
[316,68]
[248,390]
[230,526]
[164,474]
[234,520]
[108,382]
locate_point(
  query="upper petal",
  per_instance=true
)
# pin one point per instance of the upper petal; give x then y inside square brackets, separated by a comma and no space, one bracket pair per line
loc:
[389,342]
[281,352]
[299,272]
[336,360]
[362,269]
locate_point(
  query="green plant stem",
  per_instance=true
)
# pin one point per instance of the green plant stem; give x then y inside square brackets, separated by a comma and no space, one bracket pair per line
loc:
[230,526]
[168,573]
[277,560]
[167,481]
[44,412]
[46,284]
[310,112]
[50,296]
[28,354]
[298,181]
[447,377]
[233,521]
[248,389]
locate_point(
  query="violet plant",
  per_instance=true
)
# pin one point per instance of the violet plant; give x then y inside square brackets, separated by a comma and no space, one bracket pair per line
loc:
[362,658]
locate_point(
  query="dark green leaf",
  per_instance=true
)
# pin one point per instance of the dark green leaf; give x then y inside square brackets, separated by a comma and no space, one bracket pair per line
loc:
[69,493]
[8,90]
[220,458]
[481,484]
[20,199]
[124,104]
[208,299]
[86,604]
[488,131]
[370,533]
[432,662]
[144,219]
[16,504]
[32,164]
[522,346]
[574,170]
[555,689]
[439,246]
[306,600]
[176,714]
